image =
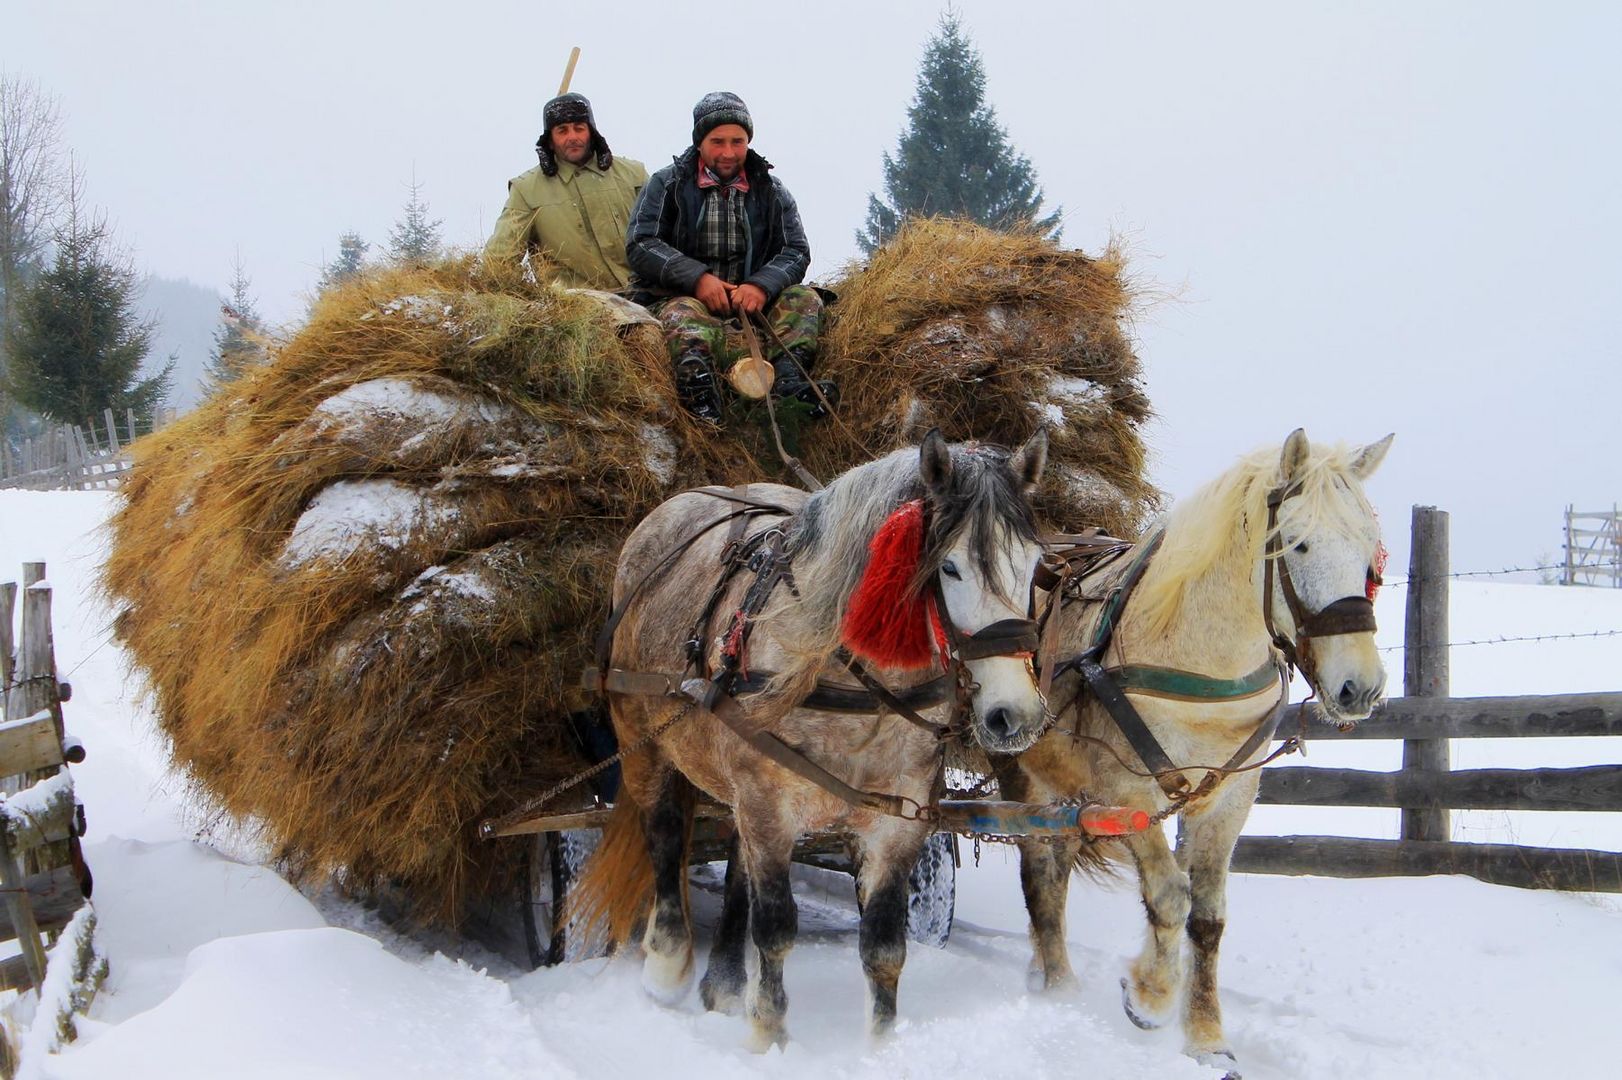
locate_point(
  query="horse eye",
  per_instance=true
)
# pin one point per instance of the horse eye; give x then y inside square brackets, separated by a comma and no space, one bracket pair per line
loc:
[1301,547]
[949,568]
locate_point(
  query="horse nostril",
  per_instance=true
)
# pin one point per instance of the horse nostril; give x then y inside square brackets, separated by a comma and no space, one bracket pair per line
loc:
[1347,698]
[999,722]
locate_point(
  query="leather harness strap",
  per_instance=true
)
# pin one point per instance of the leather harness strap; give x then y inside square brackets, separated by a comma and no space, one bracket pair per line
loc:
[1109,687]
[725,708]
[883,695]
[1132,726]
[748,508]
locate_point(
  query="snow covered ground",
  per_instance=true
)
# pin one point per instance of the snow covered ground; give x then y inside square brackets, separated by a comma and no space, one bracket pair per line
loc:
[220,968]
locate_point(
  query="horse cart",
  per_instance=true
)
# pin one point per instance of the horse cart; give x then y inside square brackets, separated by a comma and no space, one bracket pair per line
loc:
[363,581]
[563,824]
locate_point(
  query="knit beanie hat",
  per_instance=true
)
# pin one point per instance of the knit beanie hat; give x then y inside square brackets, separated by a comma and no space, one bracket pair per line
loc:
[720,107]
[569,109]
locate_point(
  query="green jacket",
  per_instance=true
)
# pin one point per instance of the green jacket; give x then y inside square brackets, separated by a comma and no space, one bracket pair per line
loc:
[576,218]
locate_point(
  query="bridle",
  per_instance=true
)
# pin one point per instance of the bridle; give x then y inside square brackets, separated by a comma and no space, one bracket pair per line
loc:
[1348,615]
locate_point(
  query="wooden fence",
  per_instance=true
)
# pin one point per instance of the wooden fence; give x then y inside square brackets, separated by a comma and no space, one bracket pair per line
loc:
[1593,548]
[43,877]
[1426,789]
[72,456]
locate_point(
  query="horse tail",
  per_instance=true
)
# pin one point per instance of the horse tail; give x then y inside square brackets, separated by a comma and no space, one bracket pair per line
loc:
[615,887]
[1100,862]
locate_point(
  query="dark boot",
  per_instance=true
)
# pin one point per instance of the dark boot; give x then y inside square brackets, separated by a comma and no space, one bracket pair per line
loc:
[695,385]
[791,382]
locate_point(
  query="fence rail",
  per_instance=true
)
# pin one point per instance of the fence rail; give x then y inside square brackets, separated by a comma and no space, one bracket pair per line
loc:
[72,456]
[1427,788]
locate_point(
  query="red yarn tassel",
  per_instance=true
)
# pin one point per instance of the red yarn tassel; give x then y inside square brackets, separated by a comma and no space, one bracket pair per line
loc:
[884,624]
[1376,576]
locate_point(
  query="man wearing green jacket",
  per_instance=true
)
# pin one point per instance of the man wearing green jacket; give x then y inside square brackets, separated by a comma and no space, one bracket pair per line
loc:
[573,207]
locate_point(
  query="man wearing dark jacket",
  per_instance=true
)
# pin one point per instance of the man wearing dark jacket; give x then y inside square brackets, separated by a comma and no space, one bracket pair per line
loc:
[713,237]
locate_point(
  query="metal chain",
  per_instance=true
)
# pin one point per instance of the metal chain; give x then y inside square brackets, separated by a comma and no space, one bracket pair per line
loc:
[581,777]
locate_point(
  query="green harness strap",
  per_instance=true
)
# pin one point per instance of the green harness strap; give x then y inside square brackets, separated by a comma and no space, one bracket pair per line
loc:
[1166,682]
[1192,686]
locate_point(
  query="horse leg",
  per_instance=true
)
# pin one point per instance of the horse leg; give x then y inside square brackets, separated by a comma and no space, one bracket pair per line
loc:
[766,846]
[1205,847]
[1149,994]
[667,945]
[887,854]
[1044,876]
[722,986]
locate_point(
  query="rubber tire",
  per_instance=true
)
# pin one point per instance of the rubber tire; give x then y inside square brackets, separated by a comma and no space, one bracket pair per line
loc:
[552,862]
[932,892]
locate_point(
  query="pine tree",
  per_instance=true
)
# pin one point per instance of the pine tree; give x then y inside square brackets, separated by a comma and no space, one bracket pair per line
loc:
[954,158]
[238,341]
[414,239]
[76,345]
[350,260]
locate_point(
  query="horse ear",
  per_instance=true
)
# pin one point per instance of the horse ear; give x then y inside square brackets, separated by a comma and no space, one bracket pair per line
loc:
[1366,460]
[1294,459]
[935,461]
[1029,460]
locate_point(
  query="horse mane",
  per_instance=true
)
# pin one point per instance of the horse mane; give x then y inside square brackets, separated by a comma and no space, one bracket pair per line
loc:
[832,532]
[1222,525]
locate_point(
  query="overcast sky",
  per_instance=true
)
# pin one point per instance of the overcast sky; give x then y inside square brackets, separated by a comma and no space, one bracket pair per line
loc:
[1388,216]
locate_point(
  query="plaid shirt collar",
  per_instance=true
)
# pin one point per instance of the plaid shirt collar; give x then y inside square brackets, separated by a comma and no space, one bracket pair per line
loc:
[708,179]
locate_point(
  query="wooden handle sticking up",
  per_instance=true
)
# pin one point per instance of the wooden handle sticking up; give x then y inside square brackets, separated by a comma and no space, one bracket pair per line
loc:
[568,72]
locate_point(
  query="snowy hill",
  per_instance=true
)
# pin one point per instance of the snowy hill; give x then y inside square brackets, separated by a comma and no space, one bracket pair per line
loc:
[219,968]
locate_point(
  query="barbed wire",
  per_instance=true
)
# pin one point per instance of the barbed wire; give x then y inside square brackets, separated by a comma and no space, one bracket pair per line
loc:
[1392,582]
[1508,640]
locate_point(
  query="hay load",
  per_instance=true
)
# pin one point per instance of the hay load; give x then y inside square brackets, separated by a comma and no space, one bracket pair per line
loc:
[362,581]
[990,334]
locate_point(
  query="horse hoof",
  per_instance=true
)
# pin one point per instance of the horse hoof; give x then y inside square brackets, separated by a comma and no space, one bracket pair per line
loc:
[763,1039]
[1139,1018]
[1220,1059]
[1065,985]
[720,998]
[667,979]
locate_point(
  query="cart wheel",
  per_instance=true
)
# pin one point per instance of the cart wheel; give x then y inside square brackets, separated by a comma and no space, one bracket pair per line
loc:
[933,891]
[554,860]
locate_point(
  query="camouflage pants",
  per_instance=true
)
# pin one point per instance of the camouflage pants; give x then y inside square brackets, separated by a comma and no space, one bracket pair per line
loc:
[692,331]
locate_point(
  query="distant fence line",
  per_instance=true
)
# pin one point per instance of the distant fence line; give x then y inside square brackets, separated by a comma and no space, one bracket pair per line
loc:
[1593,548]
[74,456]
[1426,788]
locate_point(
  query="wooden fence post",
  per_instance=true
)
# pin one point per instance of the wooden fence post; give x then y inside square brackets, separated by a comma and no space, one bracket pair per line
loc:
[1425,657]
[8,605]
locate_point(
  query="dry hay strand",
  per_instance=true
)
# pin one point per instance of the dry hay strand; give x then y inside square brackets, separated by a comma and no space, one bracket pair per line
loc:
[989,335]
[362,580]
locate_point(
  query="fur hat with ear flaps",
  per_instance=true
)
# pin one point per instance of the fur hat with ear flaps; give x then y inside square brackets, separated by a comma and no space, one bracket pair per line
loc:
[569,109]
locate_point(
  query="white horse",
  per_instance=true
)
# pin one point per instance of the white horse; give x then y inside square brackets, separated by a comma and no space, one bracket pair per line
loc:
[1276,559]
